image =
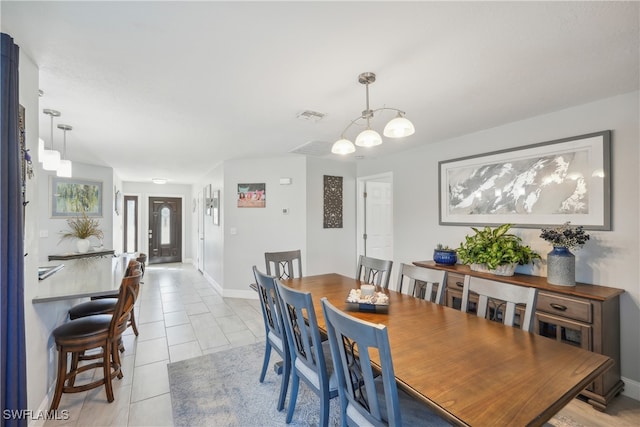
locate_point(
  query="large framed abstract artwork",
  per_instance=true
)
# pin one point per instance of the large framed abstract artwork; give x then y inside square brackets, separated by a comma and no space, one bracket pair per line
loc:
[71,197]
[532,186]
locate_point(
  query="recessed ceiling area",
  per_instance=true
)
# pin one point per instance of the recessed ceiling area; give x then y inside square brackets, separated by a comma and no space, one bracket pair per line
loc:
[170,89]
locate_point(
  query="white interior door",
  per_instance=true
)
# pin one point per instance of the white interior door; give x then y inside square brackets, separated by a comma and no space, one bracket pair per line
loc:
[375,218]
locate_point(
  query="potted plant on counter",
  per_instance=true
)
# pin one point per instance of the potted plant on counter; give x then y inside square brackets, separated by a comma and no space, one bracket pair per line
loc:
[82,228]
[494,250]
[444,255]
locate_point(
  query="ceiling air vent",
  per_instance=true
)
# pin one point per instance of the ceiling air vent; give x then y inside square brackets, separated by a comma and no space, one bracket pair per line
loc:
[313,148]
[309,115]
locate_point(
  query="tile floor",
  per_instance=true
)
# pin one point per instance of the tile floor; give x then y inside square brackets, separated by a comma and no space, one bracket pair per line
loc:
[179,316]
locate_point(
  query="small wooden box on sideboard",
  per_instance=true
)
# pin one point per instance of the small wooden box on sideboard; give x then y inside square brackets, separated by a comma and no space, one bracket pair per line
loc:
[586,316]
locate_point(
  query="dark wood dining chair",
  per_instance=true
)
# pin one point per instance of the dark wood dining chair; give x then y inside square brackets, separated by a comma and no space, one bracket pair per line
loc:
[503,298]
[310,357]
[105,304]
[276,337]
[375,271]
[421,280]
[284,265]
[374,399]
[103,331]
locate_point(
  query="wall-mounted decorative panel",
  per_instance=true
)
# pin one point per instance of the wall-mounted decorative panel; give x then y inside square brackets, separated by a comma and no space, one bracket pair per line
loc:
[332,217]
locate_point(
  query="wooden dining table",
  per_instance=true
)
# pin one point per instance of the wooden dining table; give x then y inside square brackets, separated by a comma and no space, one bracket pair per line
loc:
[472,371]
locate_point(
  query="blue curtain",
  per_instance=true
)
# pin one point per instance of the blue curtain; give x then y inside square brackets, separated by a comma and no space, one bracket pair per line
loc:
[13,371]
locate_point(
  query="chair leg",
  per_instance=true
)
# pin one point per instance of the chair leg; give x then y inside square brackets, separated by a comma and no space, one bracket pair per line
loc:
[106,369]
[115,357]
[284,384]
[132,322]
[75,358]
[324,408]
[265,363]
[294,396]
[62,373]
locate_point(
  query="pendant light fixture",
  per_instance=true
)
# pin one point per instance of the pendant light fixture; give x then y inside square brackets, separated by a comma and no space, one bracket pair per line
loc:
[396,128]
[51,158]
[64,169]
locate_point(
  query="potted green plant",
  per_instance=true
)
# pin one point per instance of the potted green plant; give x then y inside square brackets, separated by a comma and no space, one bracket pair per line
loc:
[82,228]
[444,255]
[495,250]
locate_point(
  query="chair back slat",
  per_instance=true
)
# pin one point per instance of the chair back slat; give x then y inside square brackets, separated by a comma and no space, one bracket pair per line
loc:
[284,265]
[373,270]
[503,296]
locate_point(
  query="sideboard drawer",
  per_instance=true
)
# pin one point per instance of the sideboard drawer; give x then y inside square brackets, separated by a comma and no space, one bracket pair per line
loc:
[566,307]
[455,281]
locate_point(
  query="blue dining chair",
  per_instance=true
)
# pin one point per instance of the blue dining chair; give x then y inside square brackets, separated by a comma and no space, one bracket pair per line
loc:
[310,357]
[276,338]
[366,396]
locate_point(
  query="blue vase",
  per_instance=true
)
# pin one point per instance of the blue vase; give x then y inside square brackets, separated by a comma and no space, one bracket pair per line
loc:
[561,267]
[445,257]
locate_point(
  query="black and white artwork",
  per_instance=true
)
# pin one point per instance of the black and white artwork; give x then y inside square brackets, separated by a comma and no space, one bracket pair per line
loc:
[541,184]
[332,215]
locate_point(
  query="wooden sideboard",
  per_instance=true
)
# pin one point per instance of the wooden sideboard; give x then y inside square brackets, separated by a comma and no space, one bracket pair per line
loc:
[584,315]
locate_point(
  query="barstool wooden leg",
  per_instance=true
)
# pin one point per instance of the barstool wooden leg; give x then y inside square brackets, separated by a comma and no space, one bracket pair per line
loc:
[62,373]
[75,358]
[133,322]
[115,357]
[106,365]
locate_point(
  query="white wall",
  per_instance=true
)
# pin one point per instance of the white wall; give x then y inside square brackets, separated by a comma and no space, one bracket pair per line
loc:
[610,258]
[213,253]
[54,226]
[245,234]
[260,230]
[145,190]
[330,249]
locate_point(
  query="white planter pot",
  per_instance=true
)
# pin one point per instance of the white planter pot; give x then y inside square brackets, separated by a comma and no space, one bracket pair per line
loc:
[83,245]
[501,270]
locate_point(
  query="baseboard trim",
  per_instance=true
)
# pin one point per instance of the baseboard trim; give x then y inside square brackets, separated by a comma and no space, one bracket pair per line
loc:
[631,388]
[40,419]
[231,293]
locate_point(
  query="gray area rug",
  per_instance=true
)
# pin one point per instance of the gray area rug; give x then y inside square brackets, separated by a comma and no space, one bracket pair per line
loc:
[223,389]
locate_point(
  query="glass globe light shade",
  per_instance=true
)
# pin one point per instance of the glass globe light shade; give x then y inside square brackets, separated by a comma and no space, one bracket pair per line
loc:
[368,138]
[50,160]
[343,146]
[40,149]
[398,128]
[64,169]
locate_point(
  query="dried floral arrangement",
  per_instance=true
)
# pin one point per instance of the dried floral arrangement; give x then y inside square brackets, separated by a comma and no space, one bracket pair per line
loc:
[565,236]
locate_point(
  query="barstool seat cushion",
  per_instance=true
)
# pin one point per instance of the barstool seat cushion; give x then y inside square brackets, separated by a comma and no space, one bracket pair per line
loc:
[83,327]
[91,308]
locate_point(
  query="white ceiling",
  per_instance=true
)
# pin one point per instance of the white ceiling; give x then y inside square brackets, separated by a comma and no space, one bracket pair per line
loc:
[170,89]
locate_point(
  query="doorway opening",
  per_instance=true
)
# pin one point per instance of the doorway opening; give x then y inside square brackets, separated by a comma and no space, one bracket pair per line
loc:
[165,230]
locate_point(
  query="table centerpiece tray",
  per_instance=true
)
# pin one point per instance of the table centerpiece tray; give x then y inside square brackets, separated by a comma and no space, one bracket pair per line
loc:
[378,302]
